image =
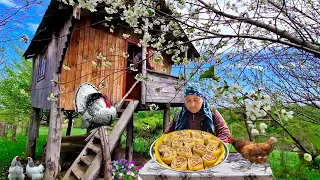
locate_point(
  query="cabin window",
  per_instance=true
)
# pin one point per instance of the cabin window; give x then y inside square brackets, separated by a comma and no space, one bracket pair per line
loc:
[42,68]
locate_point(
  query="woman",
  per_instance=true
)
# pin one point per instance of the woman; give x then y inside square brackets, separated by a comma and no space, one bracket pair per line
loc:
[196,114]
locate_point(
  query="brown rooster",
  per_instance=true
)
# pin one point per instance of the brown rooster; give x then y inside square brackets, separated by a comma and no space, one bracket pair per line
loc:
[257,153]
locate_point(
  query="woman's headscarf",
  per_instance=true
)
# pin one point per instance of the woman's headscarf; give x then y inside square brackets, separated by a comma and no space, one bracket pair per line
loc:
[193,88]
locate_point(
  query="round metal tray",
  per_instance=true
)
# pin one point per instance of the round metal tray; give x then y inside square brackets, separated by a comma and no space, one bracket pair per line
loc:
[226,154]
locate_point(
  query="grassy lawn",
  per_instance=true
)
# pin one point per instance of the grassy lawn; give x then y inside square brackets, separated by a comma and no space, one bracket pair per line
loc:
[284,164]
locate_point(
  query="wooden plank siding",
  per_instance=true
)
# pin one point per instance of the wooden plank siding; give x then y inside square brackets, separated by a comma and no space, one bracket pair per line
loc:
[165,66]
[168,93]
[84,47]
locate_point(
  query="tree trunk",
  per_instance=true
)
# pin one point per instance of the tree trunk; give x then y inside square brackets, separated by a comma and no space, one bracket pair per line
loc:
[166,117]
[2,124]
[33,133]
[6,128]
[14,132]
[54,138]
[129,143]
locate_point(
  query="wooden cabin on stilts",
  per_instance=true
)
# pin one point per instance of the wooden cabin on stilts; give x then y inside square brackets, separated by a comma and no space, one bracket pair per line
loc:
[64,51]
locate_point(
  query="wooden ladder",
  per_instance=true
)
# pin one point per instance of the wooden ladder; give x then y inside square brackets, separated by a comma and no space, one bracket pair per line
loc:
[88,164]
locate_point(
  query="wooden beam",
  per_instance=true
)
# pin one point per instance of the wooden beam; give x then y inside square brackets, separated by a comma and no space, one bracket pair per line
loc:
[186,57]
[106,153]
[54,137]
[121,124]
[32,133]
[129,143]
[166,117]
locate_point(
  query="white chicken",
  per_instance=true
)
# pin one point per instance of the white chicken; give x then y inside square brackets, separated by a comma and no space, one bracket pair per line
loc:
[34,172]
[16,169]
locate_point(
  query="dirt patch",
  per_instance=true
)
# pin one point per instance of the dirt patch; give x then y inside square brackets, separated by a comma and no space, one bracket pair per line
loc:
[140,159]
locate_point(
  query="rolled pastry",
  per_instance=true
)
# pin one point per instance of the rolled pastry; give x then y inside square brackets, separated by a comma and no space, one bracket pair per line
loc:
[209,159]
[184,151]
[189,142]
[167,140]
[177,143]
[195,162]
[176,134]
[198,149]
[206,136]
[198,138]
[168,155]
[214,141]
[179,163]
[214,149]
[163,147]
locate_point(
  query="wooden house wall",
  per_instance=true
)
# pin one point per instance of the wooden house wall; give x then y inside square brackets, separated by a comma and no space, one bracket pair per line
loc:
[53,55]
[41,88]
[85,44]
[164,67]
[168,92]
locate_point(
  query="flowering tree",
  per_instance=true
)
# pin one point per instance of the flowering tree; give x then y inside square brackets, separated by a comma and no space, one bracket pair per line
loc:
[271,44]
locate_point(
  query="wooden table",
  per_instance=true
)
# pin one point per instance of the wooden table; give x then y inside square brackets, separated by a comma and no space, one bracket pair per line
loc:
[231,169]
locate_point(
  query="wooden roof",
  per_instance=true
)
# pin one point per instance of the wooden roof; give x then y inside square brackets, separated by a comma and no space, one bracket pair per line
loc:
[54,18]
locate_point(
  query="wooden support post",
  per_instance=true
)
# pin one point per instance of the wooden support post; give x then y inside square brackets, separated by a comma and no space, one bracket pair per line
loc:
[6,128]
[70,115]
[33,133]
[54,137]
[14,132]
[129,146]
[166,117]
[144,64]
[186,57]
[2,124]
[105,153]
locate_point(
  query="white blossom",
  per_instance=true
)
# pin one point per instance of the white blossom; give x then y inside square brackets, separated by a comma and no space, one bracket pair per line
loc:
[125,36]
[66,67]
[266,108]
[254,132]
[251,114]
[286,115]
[266,99]
[307,157]
[253,106]
[234,88]
[263,126]
[153,107]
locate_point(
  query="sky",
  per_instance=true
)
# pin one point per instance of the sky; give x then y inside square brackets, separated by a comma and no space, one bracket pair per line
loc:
[20,20]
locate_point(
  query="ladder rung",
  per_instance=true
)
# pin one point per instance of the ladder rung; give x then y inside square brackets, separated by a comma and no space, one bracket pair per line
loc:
[79,171]
[95,147]
[87,159]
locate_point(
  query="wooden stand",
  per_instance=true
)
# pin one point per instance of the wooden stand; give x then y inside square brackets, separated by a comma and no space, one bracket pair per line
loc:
[33,133]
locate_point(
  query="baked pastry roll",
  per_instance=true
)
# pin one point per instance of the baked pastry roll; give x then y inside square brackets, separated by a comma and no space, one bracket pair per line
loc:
[168,155]
[195,162]
[163,147]
[206,136]
[214,141]
[198,149]
[177,143]
[167,140]
[189,142]
[209,159]
[179,163]
[214,149]
[184,151]
[198,138]
[176,134]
